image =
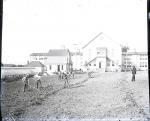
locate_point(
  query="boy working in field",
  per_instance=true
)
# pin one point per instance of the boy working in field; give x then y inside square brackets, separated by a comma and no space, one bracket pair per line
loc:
[38,80]
[65,77]
[59,75]
[26,82]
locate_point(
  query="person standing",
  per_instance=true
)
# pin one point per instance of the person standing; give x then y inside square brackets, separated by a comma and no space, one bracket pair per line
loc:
[59,75]
[65,77]
[73,74]
[26,82]
[133,73]
[38,80]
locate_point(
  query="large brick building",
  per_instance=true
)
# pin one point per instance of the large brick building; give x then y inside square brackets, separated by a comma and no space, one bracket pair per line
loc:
[138,59]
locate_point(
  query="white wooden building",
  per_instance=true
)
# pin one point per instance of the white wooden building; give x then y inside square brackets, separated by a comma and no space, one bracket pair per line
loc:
[102,54]
[55,60]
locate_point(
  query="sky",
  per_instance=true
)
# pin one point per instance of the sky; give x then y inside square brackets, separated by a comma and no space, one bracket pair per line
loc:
[39,25]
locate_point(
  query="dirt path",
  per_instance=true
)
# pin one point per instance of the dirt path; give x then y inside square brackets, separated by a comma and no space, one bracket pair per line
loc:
[107,96]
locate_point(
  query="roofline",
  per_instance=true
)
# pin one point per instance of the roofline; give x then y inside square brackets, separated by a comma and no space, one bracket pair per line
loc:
[134,53]
[36,62]
[47,54]
[92,40]
[38,54]
[59,49]
[91,61]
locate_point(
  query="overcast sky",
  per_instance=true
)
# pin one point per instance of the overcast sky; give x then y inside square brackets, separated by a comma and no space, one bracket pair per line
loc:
[39,25]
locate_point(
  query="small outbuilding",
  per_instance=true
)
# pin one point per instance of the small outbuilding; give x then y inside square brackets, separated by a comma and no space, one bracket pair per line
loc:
[39,67]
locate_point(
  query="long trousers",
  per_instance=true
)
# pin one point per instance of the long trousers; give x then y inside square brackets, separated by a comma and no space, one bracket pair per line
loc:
[133,77]
[60,76]
[26,87]
[39,83]
[66,82]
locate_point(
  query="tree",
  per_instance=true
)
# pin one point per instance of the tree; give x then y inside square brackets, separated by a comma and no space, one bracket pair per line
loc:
[19,65]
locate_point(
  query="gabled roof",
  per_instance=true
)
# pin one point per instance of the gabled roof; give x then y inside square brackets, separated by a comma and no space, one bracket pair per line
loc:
[58,52]
[91,60]
[38,54]
[53,52]
[35,64]
[92,40]
[96,58]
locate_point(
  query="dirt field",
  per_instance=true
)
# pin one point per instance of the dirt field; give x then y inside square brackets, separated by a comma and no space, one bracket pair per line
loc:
[106,96]
[14,102]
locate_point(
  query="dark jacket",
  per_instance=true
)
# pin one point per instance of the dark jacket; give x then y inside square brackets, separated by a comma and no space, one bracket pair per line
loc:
[134,70]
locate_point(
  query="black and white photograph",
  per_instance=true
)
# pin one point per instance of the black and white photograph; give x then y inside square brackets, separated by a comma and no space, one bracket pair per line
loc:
[75,60]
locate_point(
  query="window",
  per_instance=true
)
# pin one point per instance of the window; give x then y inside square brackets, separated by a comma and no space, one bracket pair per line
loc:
[50,67]
[62,67]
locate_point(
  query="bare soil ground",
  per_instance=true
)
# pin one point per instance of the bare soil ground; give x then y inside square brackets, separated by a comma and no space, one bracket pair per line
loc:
[106,96]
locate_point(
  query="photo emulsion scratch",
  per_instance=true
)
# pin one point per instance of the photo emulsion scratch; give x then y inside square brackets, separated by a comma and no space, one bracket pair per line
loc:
[74,60]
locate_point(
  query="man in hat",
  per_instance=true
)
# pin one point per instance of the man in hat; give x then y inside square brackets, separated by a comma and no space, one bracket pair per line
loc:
[26,82]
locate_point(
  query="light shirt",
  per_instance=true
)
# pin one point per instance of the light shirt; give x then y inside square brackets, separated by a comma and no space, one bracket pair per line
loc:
[24,78]
[37,77]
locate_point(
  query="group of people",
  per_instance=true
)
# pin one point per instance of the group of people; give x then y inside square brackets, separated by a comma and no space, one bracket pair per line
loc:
[62,76]
[37,78]
[65,76]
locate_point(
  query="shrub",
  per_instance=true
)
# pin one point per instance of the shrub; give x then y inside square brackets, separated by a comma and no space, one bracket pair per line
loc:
[31,75]
[11,78]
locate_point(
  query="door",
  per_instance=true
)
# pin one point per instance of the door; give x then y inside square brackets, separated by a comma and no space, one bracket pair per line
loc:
[58,67]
